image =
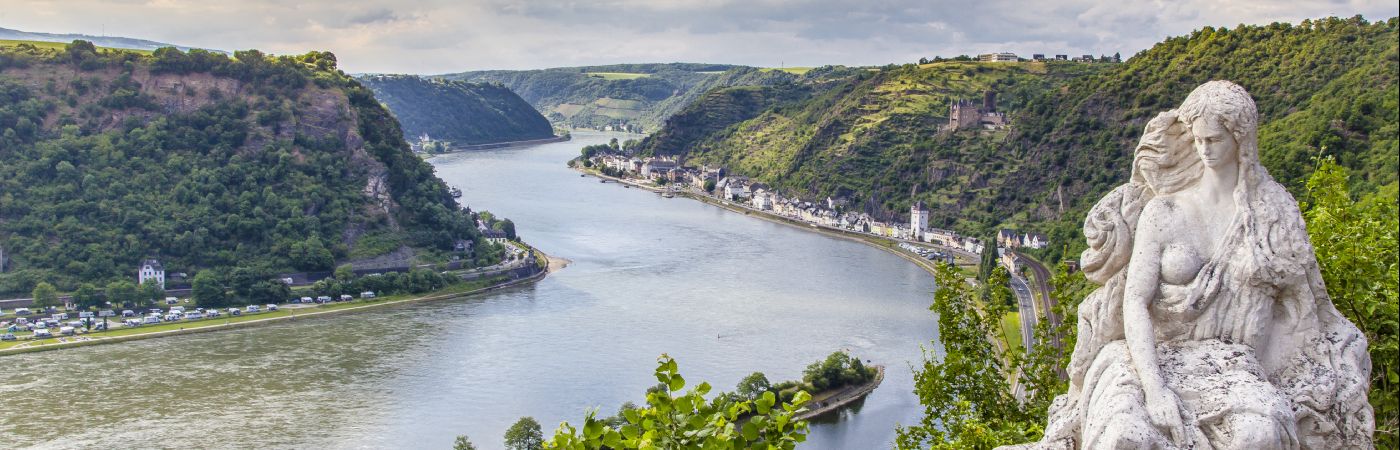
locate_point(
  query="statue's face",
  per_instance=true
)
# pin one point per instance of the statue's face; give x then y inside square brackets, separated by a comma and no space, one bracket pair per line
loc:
[1214,144]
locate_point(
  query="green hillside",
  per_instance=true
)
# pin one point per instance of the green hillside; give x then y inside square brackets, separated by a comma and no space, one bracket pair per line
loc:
[1324,87]
[458,111]
[204,161]
[636,96]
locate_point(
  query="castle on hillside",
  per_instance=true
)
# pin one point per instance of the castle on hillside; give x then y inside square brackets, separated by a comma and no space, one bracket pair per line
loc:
[963,114]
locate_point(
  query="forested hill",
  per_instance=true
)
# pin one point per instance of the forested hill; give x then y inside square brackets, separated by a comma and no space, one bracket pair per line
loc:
[634,96]
[1324,88]
[203,161]
[457,111]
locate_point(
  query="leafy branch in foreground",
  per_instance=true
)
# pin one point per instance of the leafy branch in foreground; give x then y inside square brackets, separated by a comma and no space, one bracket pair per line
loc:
[675,420]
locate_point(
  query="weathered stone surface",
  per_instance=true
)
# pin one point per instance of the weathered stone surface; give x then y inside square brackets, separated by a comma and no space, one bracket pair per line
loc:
[1212,329]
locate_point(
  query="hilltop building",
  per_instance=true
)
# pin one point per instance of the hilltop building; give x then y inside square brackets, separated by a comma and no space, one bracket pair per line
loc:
[151,270]
[998,57]
[963,114]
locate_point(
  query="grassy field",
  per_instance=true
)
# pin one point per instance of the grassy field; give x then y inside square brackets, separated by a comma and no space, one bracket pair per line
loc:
[1011,328]
[283,312]
[617,75]
[59,45]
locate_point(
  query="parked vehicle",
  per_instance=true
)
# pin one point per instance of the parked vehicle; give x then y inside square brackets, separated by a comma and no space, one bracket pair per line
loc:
[177,309]
[7,337]
[194,315]
[156,311]
[42,333]
[253,309]
[68,331]
[100,326]
[86,315]
[23,311]
[271,307]
[211,313]
[106,313]
[151,320]
[346,298]
[323,299]
[60,316]
[171,300]
[172,317]
[367,294]
[131,323]
[128,313]
[21,321]
[306,300]
[235,312]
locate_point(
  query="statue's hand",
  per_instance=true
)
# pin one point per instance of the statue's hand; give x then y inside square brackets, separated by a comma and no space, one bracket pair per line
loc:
[1164,408]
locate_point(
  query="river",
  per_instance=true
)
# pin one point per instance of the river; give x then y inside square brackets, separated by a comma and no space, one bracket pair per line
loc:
[723,293]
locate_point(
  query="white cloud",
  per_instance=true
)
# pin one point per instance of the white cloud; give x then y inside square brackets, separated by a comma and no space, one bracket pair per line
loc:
[436,36]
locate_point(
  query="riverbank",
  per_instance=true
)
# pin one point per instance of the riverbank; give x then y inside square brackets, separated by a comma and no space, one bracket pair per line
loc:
[831,402]
[465,289]
[496,145]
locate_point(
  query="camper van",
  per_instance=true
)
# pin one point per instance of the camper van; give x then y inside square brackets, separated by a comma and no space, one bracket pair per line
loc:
[42,333]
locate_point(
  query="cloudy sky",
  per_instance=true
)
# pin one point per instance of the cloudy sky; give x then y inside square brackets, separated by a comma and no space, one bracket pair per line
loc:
[438,36]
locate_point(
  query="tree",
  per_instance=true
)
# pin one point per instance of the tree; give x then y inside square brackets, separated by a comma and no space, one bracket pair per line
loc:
[508,227]
[753,386]
[1356,245]
[86,297]
[45,295]
[988,261]
[525,435]
[208,290]
[672,419]
[122,292]
[462,443]
[709,185]
[149,292]
[345,273]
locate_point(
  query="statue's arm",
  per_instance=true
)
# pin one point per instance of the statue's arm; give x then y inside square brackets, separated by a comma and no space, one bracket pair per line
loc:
[1141,285]
[1139,290]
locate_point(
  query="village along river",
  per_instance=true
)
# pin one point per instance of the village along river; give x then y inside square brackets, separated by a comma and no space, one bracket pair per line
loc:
[724,294]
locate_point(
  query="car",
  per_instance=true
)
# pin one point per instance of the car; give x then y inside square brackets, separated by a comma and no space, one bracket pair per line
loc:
[253,309]
[22,311]
[235,312]
[194,315]
[367,294]
[323,299]
[151,320]
[306,300]
[346,298]
[131,323]
[7,337]
[42,333]
[211,313]
[171,300]
[271,307]
[100,326]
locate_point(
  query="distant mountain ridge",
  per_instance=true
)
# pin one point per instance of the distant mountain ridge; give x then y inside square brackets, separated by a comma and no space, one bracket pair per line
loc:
[1324,87]
[100,41]
[635,97]
[460,112]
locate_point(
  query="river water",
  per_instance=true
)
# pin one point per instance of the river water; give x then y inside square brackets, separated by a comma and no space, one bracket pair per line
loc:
[723,293]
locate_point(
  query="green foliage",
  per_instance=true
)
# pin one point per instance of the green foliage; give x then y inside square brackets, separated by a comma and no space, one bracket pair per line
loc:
[838,370]
[672,419]
[457,111]
[753,386]
[462,443]
[525,434]
[124,292]
[97,172]
[1357,249]
[968,402]
[208,290]
[87,296]
[44,295]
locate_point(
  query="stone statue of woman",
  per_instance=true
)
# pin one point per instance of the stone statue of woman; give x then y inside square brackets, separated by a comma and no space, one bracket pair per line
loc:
[1212,329]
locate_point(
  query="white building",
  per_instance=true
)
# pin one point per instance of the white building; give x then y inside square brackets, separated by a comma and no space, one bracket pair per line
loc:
[918,219]
[151,270]
[998,57]
[762,200]
[734,191]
